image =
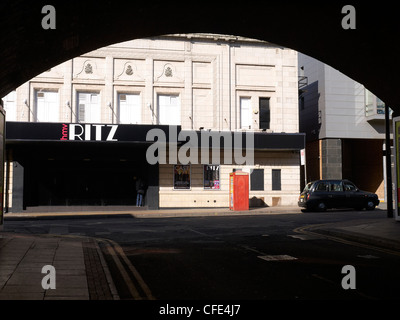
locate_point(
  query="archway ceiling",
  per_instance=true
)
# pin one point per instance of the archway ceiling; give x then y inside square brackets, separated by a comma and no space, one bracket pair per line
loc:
[369,54]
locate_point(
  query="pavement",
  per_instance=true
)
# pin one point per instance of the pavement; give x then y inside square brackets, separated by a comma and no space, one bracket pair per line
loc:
[80,270]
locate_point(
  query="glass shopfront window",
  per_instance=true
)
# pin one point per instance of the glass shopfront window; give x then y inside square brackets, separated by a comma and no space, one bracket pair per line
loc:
[211,177]
[181,177]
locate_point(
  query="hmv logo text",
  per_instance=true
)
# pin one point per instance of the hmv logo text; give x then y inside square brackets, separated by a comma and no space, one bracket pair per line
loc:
[89,132]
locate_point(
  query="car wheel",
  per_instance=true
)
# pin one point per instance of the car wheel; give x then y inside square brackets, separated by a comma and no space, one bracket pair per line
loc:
[370,205]
[321,206]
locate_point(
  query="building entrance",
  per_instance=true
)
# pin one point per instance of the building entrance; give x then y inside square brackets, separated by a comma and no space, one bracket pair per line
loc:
[81,174]
[83,183]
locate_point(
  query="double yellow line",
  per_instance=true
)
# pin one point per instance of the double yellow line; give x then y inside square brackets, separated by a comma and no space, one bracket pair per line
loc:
[138,292]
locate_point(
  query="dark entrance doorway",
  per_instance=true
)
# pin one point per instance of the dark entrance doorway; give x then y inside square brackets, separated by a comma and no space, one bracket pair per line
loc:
[81,174]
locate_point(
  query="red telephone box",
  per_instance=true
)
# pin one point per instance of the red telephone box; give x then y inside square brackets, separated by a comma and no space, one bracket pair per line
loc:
[239,191]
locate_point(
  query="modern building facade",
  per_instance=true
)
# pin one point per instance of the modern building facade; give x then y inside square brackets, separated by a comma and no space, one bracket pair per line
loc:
[79,133]
[344,125]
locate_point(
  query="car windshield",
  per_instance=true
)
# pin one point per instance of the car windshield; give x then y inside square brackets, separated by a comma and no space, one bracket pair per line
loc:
[307,187]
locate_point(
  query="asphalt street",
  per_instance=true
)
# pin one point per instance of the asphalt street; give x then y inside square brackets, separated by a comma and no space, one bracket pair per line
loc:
[249,257]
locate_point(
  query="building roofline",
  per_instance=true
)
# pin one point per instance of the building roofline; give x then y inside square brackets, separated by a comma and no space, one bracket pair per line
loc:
[213,37]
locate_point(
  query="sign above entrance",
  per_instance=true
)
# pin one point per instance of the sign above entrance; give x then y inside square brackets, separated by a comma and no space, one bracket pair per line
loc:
[89,132]
[148,134]
[46,131]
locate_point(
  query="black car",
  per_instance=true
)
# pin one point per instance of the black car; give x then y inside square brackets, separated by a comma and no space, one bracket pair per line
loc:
[323,194]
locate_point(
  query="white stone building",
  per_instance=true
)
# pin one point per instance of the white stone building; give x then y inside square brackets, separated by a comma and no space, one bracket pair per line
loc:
[107,100]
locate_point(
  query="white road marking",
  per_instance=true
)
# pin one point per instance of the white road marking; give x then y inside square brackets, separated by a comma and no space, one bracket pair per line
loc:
[304,237]
[368,256]
[279,257]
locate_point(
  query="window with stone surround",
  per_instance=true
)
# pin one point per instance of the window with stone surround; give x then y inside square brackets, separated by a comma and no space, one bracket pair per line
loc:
[276,179]
[47,106]
[265,113]
[169,109]
[130,111]
[88,109]
[257,180]
[245,113]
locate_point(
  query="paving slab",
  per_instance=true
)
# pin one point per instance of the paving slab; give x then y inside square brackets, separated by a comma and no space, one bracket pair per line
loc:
[22,258]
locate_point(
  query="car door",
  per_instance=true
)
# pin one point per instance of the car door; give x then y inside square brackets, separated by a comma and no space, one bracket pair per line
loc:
[336,197]
[321,193]
[353,198]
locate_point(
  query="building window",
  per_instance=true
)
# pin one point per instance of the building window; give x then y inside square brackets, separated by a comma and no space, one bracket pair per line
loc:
[245,113]
[265,113]
[181,177]
[380,106]
[169,110]
[257,179]
[88,107]
[10,106]
[47,106]
[276,179]
[211,177]
[374,105]
[130,111]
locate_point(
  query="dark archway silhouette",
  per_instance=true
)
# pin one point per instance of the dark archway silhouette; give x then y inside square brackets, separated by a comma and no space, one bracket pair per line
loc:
[367,54]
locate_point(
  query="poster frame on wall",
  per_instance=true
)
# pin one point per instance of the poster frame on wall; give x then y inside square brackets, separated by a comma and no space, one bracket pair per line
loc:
[183,173]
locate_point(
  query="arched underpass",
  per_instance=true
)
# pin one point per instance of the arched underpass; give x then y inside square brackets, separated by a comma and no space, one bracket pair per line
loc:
[314,29]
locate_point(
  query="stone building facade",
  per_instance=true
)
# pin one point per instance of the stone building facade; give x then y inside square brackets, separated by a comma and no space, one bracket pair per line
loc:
[189,83]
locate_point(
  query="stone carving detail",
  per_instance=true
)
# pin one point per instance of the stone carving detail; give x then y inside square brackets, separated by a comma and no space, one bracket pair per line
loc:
[168,72]
[88,69]
[129,70]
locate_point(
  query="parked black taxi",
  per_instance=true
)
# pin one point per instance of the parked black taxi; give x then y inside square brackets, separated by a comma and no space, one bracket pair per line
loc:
[320,195]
